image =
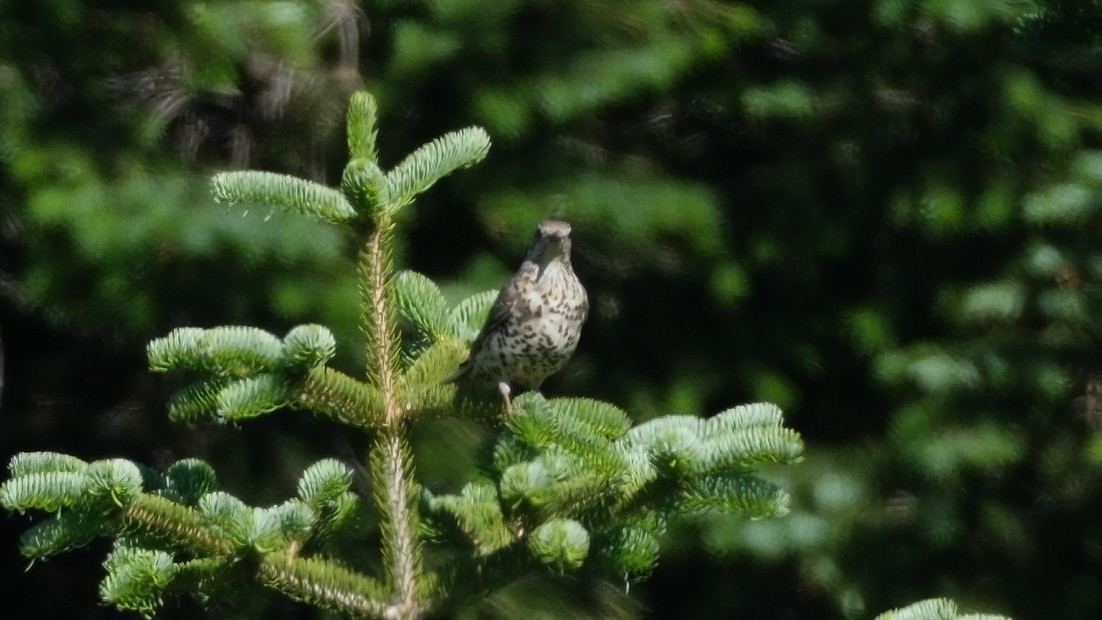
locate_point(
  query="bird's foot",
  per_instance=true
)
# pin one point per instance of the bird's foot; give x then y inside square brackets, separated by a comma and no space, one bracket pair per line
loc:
[503,387]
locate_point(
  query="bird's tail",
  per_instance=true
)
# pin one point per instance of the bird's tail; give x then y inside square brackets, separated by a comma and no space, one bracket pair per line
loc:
[464,368]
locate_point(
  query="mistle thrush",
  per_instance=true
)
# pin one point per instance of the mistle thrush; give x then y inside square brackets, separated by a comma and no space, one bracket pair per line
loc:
[534,325]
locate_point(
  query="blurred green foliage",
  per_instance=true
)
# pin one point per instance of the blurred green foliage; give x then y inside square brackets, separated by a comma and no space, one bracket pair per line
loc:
[883,216]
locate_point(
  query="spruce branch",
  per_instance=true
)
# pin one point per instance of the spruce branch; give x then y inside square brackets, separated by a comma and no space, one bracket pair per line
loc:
[753,497]
[26,463]
[281,191]
[238,351]
[255,372]
[363,115]
[326,585]
[380,326]
[136,578]
[185,527]
[476,513]
[253,396]
[934,609]
[630,552]
[434,161]
[421,304]
[364,183]
[186,481]
[391,462]
[423,392]
[309,346]
[579,488]
[468,316]
[66,531]
[46,491]
[229,351]
[396,494]
[196,401]
[333,394]
[562,544]
[323,482]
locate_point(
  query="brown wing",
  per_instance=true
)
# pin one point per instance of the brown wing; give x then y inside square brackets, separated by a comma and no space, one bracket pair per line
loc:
[499,315]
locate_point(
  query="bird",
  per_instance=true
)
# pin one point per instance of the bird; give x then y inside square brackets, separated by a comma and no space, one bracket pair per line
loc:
[535,322]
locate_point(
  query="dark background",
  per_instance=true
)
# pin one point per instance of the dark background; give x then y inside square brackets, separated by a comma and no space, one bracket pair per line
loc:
[884,216]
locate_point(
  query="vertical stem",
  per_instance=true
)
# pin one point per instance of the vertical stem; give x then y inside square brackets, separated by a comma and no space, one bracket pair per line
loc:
[393,471]
[391,463]
[380,325]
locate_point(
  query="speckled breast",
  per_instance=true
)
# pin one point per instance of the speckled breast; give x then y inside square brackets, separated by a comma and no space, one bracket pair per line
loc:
[545,329]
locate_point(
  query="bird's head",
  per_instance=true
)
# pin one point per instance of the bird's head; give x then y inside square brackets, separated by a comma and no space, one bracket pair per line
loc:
[552,241]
